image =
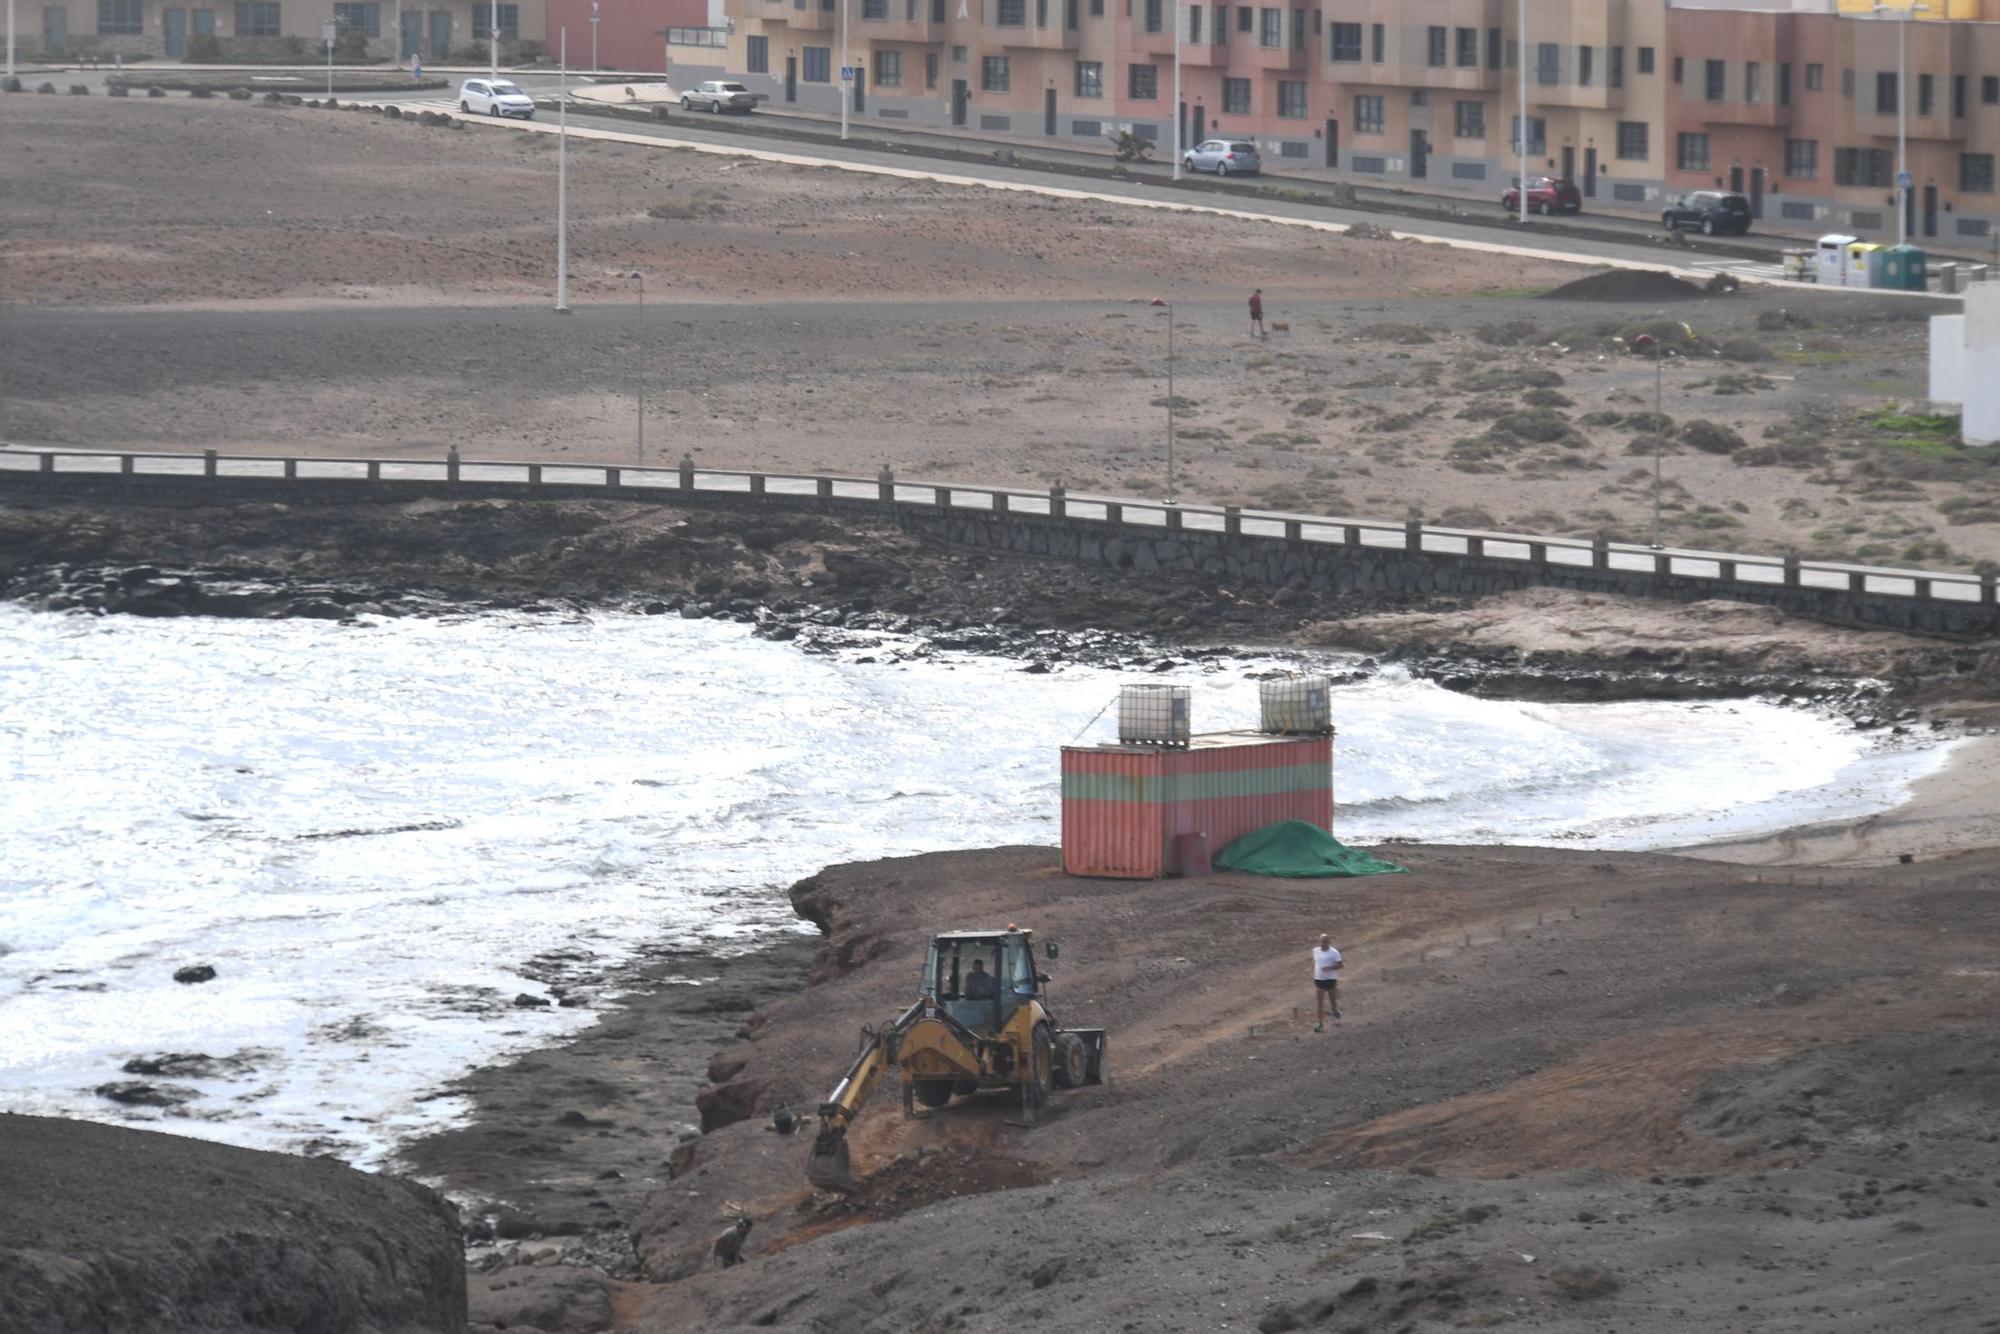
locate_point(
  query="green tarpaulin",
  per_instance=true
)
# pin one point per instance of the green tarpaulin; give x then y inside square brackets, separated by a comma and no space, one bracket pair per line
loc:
[1295,848]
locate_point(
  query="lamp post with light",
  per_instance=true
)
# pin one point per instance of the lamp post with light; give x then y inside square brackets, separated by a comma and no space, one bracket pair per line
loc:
[1172,497]
[594,66]
[1659,421]
[1903,181]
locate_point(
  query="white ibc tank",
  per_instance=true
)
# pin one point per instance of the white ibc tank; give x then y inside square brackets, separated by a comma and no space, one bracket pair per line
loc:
[1296,704]
[1153,715]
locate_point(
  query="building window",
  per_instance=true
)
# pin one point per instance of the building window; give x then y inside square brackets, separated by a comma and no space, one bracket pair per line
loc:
[889,69]
[1802,159]
[1299,29]
[1012,14]
[1785,83]
[1958,97]
[1097,9]
[1753,82]
[1143,82]
[1434,46]
[1468,47]
[1420,97]
[1245,18]
[1368,114]
[1815,78]
[1634,140]
[1847,84]
[930,69]
[1236,96]
[1194,24]
[482,21]
[1885,93]
[1693,154]
[1680,68]
[1975,173]
[874,10]
[1292,99]
[1090,78]
[995,74]
[1538,135]
[1586,61]
[1926,95]
[1548,63]
[1344,44]
[1156,20]
[1493,48]
[1379,40]
[816,64]
[121,18]
[1617,72]
[1989,89]
[757,55]
[1863,166]
[1715,80]
[1271,27]
[1645,60]
[365,19]
[1470,120]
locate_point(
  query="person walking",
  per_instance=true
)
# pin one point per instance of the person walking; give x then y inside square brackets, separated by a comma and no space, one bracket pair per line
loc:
[1257,314]
[1326,982]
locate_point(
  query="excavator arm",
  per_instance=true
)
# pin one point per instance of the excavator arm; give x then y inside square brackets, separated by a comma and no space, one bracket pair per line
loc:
[828,1167]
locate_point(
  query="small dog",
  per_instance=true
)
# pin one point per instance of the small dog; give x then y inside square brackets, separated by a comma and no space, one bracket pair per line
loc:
[1280,326]
[728,1246]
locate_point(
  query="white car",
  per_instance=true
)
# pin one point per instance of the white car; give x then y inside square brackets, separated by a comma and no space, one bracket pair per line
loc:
[720,95]
[494,97]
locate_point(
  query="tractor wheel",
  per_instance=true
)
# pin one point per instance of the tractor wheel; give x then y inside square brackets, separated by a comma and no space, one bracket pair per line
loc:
[965,1088]
[933,1092]
[1041,1067]
[1072,1061]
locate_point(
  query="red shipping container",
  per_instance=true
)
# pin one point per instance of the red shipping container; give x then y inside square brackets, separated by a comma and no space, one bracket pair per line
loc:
[1123,806]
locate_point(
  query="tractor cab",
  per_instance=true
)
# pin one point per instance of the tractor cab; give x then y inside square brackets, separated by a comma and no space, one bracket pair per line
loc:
[980,978]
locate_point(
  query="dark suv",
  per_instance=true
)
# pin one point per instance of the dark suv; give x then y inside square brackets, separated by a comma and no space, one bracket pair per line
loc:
[1711,211]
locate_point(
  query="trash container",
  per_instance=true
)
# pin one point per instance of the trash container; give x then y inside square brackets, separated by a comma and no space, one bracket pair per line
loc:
[1859,265]
[1832,257]
[1900,268]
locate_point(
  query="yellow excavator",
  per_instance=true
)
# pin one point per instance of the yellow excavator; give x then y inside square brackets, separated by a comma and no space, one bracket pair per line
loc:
[981,1021]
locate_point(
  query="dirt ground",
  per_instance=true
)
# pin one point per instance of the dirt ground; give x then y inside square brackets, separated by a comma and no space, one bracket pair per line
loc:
[1571,1090]
[382,288]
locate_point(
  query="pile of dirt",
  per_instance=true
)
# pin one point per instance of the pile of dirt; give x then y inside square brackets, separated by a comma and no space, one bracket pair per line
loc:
[103,1227]
[1627,285]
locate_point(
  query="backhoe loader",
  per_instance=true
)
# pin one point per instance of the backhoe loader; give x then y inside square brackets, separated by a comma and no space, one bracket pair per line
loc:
[981,1021]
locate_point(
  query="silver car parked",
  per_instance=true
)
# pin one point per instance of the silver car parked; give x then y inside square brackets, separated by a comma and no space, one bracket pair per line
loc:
[1224,157]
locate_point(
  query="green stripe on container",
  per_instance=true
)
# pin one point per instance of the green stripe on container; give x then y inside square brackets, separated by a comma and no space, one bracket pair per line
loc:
[1197,787]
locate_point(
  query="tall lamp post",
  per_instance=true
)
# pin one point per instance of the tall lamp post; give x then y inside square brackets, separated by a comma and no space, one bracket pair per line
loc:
[639,368]
[594,66]
[562,180]
[1172,494]
[1903,181]
[846,79]
[1521,104]
[1180,110]
[1659,421]
[10,38]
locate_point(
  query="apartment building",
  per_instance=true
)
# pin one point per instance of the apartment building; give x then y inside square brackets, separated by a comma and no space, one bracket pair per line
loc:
[430,29]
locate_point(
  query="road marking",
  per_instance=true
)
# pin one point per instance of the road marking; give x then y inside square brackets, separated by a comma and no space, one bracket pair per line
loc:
[1091,196]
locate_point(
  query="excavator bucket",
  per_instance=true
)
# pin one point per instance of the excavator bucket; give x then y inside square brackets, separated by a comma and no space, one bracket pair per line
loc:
[828,1167]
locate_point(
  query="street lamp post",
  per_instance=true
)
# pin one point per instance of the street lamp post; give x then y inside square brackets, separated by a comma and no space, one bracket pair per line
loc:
[639,369]
[846,82]
[1903,181]
[10,38]
[562,180]
[1659,421]
[1521,104]
[1172,494]
[593,37]
[329,30]
[1180,109]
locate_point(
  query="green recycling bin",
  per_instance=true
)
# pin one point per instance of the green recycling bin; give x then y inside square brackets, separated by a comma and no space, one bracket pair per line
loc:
[1900,268]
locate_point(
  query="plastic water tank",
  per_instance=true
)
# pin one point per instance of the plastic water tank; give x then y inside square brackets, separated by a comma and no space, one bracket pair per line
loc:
[1296,705]
[1154,715]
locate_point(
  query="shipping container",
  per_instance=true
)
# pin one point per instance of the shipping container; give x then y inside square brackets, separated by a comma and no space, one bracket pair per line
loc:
[1124,807]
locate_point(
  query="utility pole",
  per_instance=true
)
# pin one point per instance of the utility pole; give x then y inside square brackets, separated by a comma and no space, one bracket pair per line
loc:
[10,38]
[846,71]
[1180,116]
[329,30]
[1903,181]
[594,66]
[493,36]
[1521,94]
[1172,494]
[639,370]
[562,179]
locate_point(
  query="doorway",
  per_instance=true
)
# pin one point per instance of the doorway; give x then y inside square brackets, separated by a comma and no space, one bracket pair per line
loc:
[440,35]
[1420,155]
[413,34]
[1333,143]
[174,27]
[204,22]
[1590,172]
[55,30]
[791,78]
[1049,111]
[1909,212]
[1569,162]
[1200,124]
[961,97]
[1930,210]
[1736,180]
[860,89]
[1756,192]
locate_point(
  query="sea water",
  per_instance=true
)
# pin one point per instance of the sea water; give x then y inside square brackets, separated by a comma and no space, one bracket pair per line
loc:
[369,831]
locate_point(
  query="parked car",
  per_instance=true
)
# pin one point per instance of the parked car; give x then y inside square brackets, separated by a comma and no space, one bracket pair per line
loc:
[1710,210]
[1546,194]
[719,95]
[1224,157]
[494,97]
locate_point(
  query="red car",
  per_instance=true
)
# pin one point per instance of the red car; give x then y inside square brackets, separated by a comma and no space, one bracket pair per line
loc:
[1546,194]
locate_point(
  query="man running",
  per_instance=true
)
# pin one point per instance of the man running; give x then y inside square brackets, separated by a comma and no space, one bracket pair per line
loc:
[1326,982]
[1257,314]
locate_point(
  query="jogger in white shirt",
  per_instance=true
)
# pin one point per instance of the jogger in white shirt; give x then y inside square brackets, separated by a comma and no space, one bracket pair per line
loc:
[1326,983]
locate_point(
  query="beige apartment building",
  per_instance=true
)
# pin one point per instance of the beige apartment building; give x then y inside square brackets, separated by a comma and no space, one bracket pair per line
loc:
[430,29]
